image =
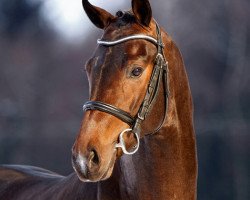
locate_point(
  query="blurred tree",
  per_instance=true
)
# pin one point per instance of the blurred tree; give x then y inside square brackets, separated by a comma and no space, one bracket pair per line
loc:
[16,15]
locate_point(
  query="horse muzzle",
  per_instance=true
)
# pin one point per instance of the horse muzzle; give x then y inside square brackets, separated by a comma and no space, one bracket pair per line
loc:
[90,168]
[86,166]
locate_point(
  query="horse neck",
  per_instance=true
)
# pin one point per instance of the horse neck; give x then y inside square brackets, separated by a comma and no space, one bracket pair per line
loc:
[162,169]
[165,166]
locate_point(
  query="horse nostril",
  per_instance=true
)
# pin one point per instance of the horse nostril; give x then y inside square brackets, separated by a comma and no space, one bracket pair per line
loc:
[93,157]
[73,158]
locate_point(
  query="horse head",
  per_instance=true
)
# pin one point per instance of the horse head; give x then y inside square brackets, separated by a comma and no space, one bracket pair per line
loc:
[120,73]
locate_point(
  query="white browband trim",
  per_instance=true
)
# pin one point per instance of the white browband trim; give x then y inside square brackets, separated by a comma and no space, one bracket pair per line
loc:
[132,37]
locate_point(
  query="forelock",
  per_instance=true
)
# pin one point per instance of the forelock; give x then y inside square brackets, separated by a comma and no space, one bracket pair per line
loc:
[126,18]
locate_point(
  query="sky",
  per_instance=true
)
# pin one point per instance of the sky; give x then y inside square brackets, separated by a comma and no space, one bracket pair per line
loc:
[67,17]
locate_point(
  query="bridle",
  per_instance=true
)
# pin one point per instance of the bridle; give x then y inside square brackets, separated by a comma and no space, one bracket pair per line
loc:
[159,73]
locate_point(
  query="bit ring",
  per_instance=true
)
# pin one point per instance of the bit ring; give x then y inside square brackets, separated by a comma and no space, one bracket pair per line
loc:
[122,145]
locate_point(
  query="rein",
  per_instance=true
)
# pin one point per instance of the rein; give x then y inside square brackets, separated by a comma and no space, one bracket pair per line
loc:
[159,73]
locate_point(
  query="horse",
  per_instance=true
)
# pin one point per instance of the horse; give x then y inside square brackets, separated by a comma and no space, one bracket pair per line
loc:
[136,140]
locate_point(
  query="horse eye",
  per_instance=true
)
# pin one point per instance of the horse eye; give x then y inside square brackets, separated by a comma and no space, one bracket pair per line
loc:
[137,71]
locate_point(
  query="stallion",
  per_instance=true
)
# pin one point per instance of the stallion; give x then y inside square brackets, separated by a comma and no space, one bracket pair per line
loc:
[136,139]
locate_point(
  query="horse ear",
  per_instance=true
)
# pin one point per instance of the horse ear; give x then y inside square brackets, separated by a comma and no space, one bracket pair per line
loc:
[142,11]
[99,17]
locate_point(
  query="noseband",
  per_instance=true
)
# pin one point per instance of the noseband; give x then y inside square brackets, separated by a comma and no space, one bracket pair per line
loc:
[159,73]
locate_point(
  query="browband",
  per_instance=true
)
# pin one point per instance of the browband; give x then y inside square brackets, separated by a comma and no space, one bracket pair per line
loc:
[131,37]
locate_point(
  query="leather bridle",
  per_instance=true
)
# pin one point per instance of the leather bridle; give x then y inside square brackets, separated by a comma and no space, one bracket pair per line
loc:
[159,73]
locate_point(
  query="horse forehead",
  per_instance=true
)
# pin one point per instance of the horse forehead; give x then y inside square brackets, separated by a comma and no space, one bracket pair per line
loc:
[137,48]
[124,52]
[133,47]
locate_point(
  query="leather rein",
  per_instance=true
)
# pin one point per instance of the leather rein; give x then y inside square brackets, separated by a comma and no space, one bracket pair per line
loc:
[159,73]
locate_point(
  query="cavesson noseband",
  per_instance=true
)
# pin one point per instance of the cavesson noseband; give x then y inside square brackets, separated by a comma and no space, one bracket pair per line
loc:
[159,73]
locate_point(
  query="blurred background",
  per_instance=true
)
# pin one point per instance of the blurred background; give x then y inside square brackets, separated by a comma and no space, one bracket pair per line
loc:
[43,47]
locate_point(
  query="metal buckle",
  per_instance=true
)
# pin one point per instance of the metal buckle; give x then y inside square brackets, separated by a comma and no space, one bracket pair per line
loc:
[121,143]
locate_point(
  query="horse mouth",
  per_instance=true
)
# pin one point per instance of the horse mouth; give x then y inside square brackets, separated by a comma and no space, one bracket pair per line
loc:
[94,176]
[109,170]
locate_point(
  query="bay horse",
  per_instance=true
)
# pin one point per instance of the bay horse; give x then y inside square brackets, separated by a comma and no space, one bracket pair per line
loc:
[136,140]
